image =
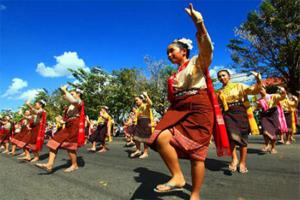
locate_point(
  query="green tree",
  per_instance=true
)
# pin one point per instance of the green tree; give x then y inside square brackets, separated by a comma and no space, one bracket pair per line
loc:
[269,41]
[126,85]
[92,83]
[157,84]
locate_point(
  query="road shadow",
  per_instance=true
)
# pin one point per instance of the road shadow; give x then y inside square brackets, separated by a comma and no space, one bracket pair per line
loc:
[149,180]
[44,156]
[255,151]
[129,152]
[217,165]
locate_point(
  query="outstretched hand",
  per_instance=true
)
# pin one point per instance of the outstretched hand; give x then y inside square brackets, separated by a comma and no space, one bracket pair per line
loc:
[27,102]
[256,75]
[63,88]
[194,14]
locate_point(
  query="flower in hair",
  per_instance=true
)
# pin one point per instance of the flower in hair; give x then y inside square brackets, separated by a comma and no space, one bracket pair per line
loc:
[186,41]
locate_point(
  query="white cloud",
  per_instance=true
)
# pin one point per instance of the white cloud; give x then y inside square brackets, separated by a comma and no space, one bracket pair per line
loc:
[29,94]
[214,70]
[15,87]
[63,62]
[235,76]
[241,77]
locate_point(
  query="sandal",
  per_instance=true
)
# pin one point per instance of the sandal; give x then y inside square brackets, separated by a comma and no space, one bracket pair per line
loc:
[171,188]
[44,167]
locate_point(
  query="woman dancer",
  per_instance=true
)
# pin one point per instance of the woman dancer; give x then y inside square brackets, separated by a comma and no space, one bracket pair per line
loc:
[104,128]
[23,137]
[5,133]
[269,118]
[71,136]
[102,132]
[35,139]
[186,128]
[288,105]
[129,127]
[143,128]
[233,97]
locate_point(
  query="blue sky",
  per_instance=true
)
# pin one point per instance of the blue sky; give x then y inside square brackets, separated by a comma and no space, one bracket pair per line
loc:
[39,39]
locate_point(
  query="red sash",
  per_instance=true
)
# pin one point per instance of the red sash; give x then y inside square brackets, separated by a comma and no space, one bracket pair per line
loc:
[219,133]
[41,133]
[81,135]
[171,81]
[12,133]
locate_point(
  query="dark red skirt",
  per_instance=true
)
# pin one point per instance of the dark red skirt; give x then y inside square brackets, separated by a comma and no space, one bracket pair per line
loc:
[4,136]
[100,134]
[288,119]
[22,138]
[190,120]
[237,125]
[131,129]
[270,123]
[33,138]
[66,138]
[142,131]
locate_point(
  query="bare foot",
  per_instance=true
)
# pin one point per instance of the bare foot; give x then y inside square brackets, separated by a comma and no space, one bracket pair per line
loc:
[25,158]
[243,169]
[273,151]
[233,165]
[266,149]
[103,150]
[91,149]
[6,151]
[194,197]
[144,155]
[281,141]
[34,160]
[22,154]
[44,166]
[135,154]
[71,169]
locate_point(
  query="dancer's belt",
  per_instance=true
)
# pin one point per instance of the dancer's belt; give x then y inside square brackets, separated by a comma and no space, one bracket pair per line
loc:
[187,107]
[188,92]
[72,118]
[239,103]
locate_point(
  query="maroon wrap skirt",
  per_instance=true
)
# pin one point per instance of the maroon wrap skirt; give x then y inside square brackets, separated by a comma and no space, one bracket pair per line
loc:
[66,138]
[4,136]
[270,123]
[190,120]
[237,125]
[22,138]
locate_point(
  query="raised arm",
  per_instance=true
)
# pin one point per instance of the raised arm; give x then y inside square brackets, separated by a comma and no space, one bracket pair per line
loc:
[31,107]
[204,42]
[68,96]
[254,89]
[149,102]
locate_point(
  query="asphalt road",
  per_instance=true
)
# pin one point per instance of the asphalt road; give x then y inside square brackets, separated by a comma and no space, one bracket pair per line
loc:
[113,175]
